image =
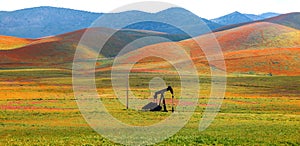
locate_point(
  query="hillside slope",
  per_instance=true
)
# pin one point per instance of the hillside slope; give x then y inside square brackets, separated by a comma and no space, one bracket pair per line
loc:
[272,61]
[290,20]
[7,42]
[258,35]
[269,61]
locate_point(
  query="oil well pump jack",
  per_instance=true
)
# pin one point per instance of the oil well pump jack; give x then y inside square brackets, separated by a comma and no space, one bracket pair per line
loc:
[156,106]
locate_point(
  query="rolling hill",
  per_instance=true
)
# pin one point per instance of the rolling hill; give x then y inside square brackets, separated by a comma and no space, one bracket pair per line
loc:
[258,35]
[59,50]
[256,48]
[290,20]
[257,40]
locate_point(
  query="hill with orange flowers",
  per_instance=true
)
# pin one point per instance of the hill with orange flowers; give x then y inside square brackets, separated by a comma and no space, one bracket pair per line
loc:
[256,48]
[8,42]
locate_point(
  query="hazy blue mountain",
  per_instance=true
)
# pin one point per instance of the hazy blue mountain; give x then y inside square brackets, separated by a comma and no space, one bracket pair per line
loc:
[237,17]
[183,19]
[46,21]
[178,17]
[262,16]
[289,20]
[232,18]
[269,15]
[254,17]
[186,17]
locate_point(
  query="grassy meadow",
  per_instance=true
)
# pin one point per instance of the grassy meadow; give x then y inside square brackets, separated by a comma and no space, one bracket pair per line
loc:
[38,108]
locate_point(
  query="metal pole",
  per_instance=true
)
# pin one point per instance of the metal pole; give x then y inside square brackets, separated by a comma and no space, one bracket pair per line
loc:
[172,103]
[127,92]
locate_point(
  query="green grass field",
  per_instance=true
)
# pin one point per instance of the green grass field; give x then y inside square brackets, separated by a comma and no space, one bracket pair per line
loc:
[38,108]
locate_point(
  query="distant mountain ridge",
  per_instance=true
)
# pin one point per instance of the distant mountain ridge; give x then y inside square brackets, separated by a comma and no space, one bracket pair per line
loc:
[184,19]
[47,21]
[262,16]
[290,20]
[269,15]
[237,17]
[232,18]
[44,21]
